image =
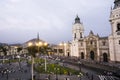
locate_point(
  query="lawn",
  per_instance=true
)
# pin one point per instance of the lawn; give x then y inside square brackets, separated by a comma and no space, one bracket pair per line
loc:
[54,69]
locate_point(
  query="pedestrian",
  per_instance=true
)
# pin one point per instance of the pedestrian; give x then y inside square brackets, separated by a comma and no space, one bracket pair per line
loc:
[104,72]
[92,77]
[49,77]
[87,74]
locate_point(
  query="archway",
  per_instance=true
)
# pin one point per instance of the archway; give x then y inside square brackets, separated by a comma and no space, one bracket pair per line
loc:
[82,55]
[68,54]
[105,57]
[92,55]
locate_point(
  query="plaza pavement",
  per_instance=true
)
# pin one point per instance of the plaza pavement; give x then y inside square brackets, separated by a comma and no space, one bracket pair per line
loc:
[25,73]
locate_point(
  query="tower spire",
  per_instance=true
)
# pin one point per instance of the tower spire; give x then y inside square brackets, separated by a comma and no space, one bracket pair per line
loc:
[116,4]
[38,36]
[77,19]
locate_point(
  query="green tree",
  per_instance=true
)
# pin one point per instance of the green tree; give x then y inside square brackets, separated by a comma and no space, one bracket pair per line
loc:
[3,49]
[32,50]
[19,49]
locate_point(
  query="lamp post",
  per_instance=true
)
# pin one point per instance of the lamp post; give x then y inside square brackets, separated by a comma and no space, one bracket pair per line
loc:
[80,74]
[32,58]
[79,64]
[45,44]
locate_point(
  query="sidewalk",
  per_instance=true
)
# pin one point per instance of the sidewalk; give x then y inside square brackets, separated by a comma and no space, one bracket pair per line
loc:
[60,77]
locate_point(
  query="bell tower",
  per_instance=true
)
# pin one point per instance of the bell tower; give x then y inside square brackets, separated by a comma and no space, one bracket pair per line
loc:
[114,38]
[78,29]
[78,37]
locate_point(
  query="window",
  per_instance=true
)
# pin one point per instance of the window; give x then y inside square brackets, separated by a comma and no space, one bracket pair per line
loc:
[80,35]
[61,50]
[74,35]
[118,27]
[104,43]
[81,44]
[91,42]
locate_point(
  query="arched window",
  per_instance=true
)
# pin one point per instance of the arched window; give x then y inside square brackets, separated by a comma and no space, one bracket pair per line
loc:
[80,35]
[74,35]
[104,43]
[118,27]
[91,42]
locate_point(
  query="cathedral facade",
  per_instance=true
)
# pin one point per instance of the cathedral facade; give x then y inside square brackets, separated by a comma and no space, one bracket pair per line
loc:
[96,48]
[91,47]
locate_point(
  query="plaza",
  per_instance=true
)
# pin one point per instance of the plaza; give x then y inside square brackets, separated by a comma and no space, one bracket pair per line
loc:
[13,71]
[90,57]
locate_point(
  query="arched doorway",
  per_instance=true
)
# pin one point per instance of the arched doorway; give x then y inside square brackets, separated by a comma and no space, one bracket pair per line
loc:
[82,55]
[68,54]
[105,57]
[92,55]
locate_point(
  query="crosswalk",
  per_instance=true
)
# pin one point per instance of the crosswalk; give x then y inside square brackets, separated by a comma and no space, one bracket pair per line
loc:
[104,77]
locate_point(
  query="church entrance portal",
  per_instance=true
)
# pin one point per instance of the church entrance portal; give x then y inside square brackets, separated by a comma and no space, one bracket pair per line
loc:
[82,55]
[105,57]
[68,54]
[92,55]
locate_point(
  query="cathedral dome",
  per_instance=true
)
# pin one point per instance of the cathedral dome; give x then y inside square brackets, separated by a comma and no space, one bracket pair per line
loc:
[116,4]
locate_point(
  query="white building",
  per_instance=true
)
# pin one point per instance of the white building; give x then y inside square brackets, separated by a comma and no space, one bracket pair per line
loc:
[114,38]
[93,47]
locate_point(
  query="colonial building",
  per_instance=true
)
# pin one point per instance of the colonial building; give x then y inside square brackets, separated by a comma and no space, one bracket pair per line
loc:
[96,48]
[91,47]
[114,38]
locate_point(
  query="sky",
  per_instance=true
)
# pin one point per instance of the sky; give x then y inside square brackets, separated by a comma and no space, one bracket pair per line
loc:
[21,20]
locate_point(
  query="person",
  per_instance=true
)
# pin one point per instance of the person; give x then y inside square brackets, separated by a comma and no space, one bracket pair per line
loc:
[92,77]
[86,73]
[49,77]
[104,72]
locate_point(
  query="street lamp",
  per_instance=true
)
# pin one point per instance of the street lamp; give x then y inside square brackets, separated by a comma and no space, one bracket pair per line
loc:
[80,74]
[79,64]
[30,45]
[45,44]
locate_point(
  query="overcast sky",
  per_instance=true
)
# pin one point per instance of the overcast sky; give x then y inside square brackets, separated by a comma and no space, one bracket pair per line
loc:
[21,20]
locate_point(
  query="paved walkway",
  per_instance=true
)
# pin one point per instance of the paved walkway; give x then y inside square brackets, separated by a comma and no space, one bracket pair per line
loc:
[60,77]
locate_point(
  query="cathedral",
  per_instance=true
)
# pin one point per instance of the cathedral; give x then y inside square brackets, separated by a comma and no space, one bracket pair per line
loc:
[93,47]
